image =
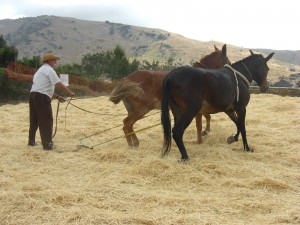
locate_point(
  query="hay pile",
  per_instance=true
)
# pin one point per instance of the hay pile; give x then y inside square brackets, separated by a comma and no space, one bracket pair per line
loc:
[113,184]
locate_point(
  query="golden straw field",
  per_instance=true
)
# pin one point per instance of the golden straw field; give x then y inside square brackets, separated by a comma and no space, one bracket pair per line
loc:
[114,184]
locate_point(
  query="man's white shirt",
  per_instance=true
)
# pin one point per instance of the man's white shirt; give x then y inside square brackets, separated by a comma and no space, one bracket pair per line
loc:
[44,80]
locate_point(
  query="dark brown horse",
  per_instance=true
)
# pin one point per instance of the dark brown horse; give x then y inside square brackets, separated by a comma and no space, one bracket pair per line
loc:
[187,91]
[141,92]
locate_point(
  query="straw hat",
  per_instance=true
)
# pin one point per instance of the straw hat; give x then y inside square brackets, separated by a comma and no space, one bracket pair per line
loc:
[49,56]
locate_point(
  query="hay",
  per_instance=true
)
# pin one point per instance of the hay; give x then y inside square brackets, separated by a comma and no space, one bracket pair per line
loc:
[113,184]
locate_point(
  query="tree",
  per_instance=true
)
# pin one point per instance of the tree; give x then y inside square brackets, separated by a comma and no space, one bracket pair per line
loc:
[146,65]
[119,64]
[35,61]
[7,53]
[113,64]
[74,69]
[95,65]
[2,42]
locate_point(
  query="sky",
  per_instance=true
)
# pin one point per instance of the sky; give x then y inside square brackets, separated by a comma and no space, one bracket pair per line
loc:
[271,24]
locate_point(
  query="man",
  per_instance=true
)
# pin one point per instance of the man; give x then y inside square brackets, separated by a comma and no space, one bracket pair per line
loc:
[42,91]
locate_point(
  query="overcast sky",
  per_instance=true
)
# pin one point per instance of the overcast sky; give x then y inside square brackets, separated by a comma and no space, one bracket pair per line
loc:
[272,24]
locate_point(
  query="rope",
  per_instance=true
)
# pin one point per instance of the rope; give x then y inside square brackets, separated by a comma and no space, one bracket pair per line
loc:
[122,136]
[56,120]
[238,73]
[236,80]
[66,112]
[100,132]
[114,128]
[104,114]
[235,72]
[248,71]
[91,147]
[205,67]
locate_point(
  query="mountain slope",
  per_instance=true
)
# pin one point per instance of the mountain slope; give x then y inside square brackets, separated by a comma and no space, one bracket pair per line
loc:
[72,38]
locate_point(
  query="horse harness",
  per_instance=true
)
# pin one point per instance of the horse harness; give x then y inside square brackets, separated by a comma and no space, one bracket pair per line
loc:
[248,71]
[205,66]
[235,72]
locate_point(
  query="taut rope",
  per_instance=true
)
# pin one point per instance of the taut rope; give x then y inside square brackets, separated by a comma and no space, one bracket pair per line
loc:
[91,147]
[122,136]
[104,114]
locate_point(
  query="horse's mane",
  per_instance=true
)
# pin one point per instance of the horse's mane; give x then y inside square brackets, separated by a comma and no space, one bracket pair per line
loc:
[244,59]
[198,63]
[206,56]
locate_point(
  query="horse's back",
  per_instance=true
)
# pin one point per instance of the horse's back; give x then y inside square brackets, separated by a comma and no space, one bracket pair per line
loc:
[212,89]
[201,78]
[150,81]
[147,76]
[185,77]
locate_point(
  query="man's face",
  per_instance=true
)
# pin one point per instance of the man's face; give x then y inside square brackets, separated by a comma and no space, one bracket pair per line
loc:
[52,63]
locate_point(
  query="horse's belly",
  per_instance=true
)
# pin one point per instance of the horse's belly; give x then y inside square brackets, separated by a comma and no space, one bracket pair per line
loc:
[208,108]
[156,103]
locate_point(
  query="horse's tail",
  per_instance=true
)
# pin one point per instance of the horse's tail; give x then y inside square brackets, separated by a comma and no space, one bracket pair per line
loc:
[165,118]
[125,88]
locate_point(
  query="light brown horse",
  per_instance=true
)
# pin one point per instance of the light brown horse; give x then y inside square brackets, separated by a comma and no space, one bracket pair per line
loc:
[141,92]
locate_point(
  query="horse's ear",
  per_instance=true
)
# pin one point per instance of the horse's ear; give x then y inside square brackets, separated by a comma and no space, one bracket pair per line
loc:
[269,56]
[251,52]
[224,50]
[216,49]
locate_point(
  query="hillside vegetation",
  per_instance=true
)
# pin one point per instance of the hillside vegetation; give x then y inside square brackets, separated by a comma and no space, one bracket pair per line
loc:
[73,38]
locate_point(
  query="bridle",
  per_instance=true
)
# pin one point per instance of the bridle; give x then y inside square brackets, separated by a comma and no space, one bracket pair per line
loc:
[235,73]
[248,71]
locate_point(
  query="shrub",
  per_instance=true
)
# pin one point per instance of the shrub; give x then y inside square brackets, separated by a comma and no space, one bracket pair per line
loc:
[12,89]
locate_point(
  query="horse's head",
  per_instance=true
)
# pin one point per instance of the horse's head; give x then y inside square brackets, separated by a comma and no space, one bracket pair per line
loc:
[215,60]
[260,70]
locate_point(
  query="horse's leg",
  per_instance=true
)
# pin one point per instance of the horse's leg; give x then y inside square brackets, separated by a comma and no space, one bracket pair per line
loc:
[233,116]
[201,133]
[207,128]
[241,123]
[198,119]
[131,138]
[178,130]
[129,121]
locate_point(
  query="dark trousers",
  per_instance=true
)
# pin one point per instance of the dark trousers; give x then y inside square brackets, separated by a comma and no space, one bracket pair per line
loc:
[40,114]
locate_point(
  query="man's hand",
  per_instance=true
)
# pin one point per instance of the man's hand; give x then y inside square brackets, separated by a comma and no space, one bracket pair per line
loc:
[71,94]
[62,87]
[60,99]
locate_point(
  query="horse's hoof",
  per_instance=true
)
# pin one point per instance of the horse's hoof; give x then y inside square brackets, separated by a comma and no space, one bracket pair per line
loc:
[199,142]
[230,140]
[249,150]
[204,133]
[182,160]
[133,146]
